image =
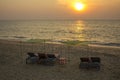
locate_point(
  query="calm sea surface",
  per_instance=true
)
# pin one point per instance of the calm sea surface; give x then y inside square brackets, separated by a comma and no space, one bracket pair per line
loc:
[95,31]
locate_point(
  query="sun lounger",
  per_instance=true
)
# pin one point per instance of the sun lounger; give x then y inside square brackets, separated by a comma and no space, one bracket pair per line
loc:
[32,58]
[46,59]
[41,58]
[84,62]
[95,62]
[89,63]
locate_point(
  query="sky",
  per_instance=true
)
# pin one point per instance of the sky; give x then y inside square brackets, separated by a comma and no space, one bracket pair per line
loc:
[59,9]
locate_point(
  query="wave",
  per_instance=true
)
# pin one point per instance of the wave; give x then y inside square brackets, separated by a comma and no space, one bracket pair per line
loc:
[112,45]
[19,37]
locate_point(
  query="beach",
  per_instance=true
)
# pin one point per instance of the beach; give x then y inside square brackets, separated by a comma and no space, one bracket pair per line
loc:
[13,67]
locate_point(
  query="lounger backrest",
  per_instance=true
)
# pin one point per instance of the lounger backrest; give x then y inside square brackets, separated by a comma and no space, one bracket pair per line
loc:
[85,59]
[42,56]
[51,56]
[31,54]
[95,59]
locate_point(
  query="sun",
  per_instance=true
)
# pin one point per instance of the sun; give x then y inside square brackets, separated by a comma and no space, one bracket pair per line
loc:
[79,6]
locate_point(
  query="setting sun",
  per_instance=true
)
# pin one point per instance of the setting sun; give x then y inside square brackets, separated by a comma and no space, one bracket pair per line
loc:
[79,6]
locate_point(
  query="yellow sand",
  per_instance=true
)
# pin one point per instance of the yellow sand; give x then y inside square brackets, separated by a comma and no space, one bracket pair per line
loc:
[13,67]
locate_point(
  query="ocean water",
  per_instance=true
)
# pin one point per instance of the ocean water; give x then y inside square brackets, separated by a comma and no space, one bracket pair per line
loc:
[95,31]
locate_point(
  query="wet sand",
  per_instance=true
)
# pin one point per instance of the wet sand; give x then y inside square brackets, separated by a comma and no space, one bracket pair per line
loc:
[13,66]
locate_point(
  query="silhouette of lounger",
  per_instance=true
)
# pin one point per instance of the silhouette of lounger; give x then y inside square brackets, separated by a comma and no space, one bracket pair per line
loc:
[84,62]
[95,62]
[46,59]
[32,58]
[92,62]
[42,58]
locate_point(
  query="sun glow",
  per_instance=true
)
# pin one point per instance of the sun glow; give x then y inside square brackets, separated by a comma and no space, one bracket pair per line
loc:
[79,6]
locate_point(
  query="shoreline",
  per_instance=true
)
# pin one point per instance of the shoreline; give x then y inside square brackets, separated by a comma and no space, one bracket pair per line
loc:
[104,45]
[90,47]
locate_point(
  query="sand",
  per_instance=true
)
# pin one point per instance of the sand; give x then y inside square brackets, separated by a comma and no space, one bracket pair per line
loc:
[13,66]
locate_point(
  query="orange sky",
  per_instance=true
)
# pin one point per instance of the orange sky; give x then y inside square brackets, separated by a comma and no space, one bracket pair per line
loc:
[59,9]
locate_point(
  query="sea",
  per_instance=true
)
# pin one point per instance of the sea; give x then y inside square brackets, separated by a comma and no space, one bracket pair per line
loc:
[100,32]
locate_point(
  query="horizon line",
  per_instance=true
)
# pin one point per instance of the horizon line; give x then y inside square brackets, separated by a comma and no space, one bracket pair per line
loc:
[58,19]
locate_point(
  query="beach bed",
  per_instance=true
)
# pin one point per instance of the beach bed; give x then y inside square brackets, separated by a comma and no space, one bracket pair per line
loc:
[90,63]
[41,58]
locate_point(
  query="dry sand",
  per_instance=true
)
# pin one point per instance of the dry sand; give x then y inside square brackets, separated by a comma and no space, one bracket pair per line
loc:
[13,67]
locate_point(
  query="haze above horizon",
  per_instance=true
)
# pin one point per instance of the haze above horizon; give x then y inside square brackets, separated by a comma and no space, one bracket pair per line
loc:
[59,9]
